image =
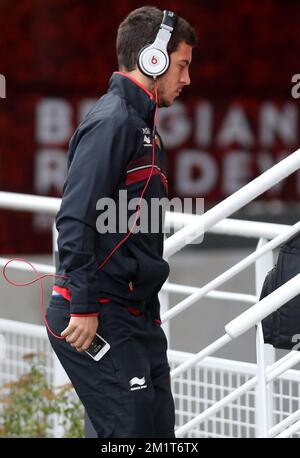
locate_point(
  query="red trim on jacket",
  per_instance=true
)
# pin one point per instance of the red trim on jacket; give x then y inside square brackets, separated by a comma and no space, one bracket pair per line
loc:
[64,292]
[137,83]
[134,311]
[143,174]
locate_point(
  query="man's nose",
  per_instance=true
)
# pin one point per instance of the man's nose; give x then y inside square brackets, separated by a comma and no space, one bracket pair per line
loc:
[186,77]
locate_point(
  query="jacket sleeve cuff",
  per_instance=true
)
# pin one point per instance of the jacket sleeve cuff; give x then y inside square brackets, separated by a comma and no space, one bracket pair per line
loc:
[84,308]
[85,314]
[83,300]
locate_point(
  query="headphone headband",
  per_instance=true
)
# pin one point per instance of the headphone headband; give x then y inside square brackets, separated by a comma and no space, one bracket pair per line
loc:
[153,60]
[169,20]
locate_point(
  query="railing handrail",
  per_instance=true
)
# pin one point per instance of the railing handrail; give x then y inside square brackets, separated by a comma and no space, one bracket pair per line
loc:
[246,321]
[230,273]
[226,295]
[20,327]
[224,364]
[29,202]
[263,308]
[228,226]
[20,265]
[232,203]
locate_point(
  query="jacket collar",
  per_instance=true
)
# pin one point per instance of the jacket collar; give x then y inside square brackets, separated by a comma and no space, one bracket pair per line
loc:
[135,93]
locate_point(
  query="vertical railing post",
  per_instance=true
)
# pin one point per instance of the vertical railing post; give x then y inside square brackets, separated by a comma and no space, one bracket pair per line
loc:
[59,378]
[265,354]
[261,404]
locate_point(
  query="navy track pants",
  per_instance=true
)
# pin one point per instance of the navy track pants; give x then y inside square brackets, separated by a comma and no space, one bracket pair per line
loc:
[127,393]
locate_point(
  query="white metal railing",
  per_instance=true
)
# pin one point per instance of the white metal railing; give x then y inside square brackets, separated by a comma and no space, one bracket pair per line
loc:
[191,228]
[223,392]
[230,273]
[233,203]
[253,316]
[193,231]
[20,340]
[202,387]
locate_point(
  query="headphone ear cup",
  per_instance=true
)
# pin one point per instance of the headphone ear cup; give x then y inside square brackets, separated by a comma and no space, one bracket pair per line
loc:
[140,58]
[152,61]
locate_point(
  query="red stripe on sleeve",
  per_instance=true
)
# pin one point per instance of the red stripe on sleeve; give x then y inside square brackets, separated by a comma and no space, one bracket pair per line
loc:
[63,291]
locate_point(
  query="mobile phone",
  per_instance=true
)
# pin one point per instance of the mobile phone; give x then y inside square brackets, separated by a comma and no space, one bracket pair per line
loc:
[98,348]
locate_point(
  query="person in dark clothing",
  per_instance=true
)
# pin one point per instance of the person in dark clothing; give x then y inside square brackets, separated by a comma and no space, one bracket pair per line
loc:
[110,279]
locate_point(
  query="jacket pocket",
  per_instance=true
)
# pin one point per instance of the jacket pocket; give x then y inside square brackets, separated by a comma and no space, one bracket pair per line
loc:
[58,318]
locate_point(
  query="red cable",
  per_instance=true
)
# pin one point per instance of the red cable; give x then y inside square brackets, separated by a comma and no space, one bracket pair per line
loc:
[40,277]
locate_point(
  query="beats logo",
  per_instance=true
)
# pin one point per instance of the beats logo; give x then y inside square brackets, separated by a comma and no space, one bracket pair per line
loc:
[154,60]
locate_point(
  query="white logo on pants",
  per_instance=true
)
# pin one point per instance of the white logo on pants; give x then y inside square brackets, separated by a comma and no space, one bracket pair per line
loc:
[137,383]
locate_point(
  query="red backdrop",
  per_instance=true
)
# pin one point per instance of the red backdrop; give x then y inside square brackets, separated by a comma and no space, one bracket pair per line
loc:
[234,121]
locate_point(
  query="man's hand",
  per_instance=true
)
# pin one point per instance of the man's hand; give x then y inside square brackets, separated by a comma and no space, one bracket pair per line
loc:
[81,331]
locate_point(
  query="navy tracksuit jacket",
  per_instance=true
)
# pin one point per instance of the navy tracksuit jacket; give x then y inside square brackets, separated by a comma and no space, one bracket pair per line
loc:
[111,151]
[127,393]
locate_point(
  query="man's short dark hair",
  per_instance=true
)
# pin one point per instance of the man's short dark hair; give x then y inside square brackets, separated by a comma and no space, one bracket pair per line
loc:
[140,28]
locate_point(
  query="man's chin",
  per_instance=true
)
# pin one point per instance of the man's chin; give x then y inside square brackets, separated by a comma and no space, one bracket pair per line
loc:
[165,103]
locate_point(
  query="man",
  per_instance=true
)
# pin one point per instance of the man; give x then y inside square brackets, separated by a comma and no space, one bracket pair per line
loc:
[112,279]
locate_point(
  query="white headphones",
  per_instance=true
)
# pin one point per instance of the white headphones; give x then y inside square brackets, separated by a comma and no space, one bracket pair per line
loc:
[153,60]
